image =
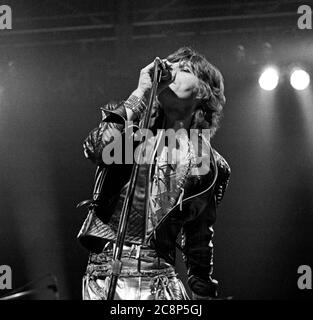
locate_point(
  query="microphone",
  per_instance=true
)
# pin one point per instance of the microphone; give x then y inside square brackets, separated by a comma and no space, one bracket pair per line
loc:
[166,74]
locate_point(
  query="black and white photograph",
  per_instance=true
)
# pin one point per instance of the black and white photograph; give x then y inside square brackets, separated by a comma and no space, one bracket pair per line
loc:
[156,150]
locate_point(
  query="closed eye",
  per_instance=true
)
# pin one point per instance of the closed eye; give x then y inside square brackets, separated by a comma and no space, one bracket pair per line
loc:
[185,70]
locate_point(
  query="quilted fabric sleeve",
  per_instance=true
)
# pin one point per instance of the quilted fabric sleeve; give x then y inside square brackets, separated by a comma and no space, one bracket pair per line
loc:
[113,117]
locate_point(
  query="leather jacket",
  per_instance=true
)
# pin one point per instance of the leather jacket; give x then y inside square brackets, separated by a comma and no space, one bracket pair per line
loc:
[194,214]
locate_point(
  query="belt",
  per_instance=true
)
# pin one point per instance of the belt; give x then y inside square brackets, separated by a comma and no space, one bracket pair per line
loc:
[136,260]
[102,271]
[133,252]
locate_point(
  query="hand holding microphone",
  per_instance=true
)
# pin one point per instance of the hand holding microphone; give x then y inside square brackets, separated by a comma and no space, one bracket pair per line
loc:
[139,97]
[145,78]
[165,68]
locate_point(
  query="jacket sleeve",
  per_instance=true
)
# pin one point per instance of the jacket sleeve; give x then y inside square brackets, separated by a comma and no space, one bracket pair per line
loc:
[222,178]
[198,252]
[197,238]
[113,118]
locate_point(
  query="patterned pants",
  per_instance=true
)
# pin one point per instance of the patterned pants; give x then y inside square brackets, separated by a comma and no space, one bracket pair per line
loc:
[144,276]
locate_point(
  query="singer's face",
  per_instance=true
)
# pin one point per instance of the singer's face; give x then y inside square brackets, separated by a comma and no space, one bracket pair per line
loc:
[181,93]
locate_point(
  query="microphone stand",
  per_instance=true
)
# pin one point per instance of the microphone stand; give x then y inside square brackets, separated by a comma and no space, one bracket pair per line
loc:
[122,227]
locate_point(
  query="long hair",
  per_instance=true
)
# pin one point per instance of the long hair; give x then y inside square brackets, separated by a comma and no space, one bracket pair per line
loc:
[210,92]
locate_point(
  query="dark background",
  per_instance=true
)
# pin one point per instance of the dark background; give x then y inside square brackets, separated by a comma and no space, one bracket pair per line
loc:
[63,60]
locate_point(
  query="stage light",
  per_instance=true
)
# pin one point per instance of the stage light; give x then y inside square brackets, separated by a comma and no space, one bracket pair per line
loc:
[299,79]
[269,79]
